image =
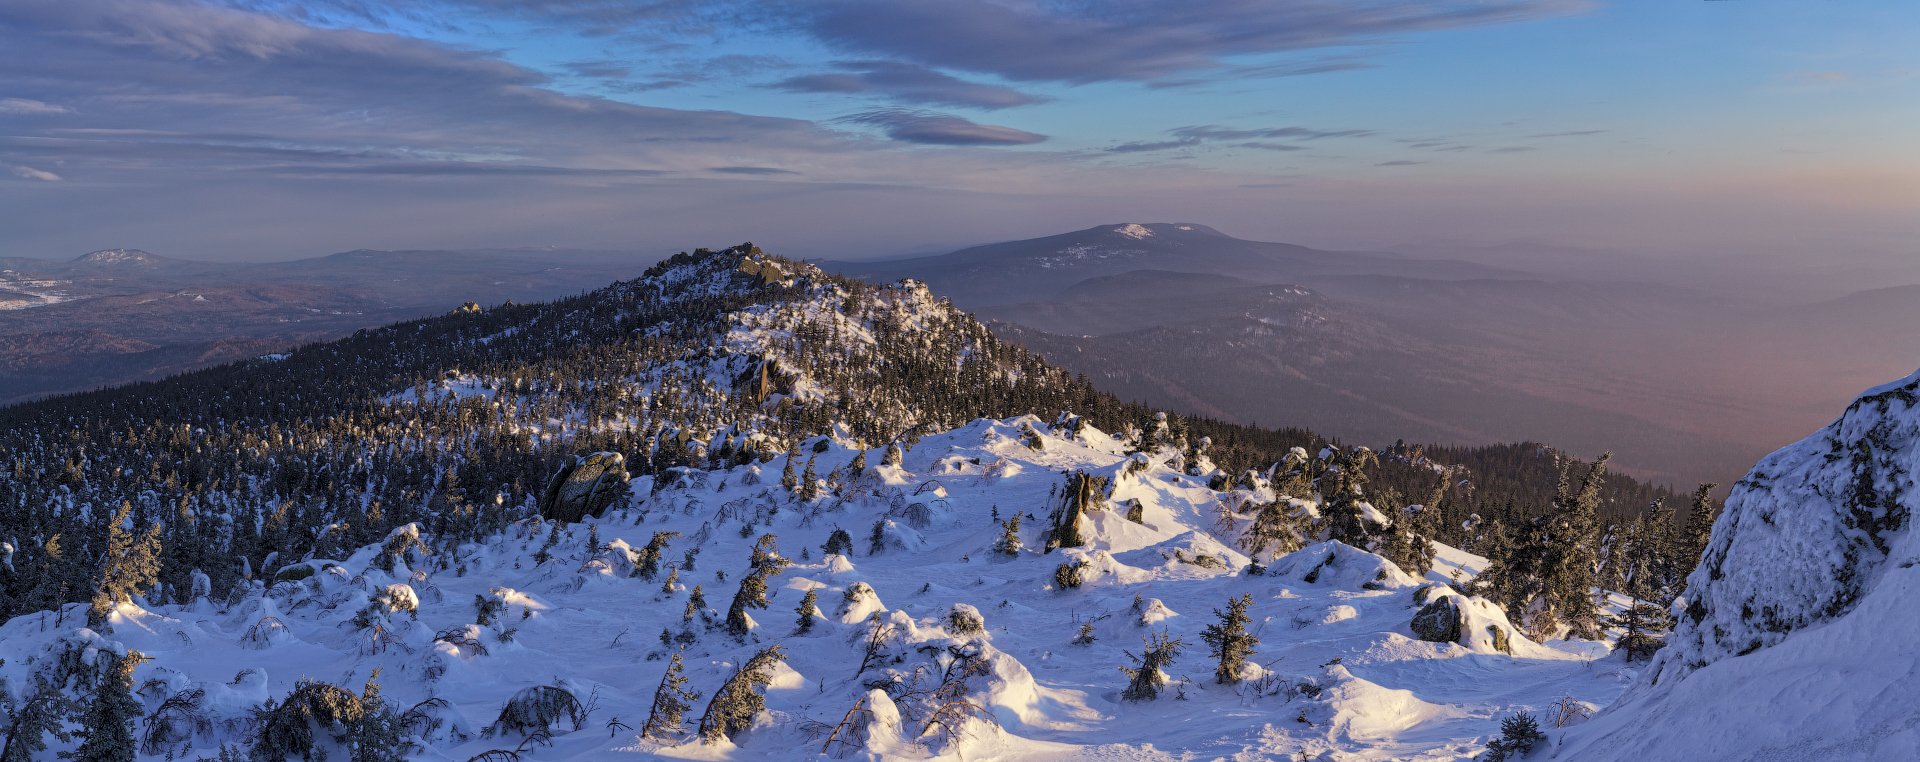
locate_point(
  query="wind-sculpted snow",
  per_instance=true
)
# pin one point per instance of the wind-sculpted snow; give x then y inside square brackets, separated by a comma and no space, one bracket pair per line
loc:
[1796,637]
[926,641]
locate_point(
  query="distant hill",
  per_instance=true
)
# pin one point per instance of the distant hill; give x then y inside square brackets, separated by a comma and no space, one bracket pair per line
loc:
[120,315]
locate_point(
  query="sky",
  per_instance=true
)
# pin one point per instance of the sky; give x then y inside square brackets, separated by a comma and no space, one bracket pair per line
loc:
[1772,130]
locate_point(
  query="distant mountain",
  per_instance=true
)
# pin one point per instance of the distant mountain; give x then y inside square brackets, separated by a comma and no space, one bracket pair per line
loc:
[1018,271]
[120,315]
[1368,345]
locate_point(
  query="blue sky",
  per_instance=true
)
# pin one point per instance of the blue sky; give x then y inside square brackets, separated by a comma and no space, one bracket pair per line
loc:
[279,128]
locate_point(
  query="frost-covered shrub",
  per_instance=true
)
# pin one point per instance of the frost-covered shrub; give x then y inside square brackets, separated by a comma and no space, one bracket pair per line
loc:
[1518,735]
[538,709]
[264,633]
[963,619]
[854,595]
[1069,575]
[295,726]
[398,597]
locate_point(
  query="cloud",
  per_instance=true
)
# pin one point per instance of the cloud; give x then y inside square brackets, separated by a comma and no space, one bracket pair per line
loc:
[1215,132]
[462,169]
[752,171]
[1399,163]
[29,173]
[1161,43]
[598,69]
[30,106]
[1568,134]
[177,89]
[913,126]
[1194,135]
[908,83]
[1271,146]
[1131,40]
[1511,149]
[1152,145]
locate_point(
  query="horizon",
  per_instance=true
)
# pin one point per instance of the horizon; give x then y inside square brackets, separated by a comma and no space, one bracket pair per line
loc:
[225,131]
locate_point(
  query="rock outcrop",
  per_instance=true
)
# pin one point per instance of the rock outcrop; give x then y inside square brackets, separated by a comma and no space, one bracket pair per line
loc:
[586,486]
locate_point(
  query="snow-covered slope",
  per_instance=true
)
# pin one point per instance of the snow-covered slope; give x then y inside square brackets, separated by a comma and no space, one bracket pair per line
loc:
[1339,673]
[1798,636]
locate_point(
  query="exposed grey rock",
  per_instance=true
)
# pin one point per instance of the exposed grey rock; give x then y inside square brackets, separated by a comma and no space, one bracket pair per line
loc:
[1438,621]
[586,486]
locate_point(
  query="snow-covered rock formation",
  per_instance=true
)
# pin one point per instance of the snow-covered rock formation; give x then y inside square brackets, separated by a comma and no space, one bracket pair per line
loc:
[1799,637]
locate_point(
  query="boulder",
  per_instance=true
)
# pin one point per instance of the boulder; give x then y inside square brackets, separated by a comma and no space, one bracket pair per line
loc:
[586,486]
[1438,622]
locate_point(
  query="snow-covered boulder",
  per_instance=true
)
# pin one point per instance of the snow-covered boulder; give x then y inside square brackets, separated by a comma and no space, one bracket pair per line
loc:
[1796,638]
[1473,622]
[1337,564]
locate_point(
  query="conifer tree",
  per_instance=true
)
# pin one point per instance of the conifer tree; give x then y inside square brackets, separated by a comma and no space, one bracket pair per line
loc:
[753,587]
[739,700]
[106,725]
[647,559]
[1228,640]
[1348,519]
[129,566]
[1009,542]
[788,481]
[376,737]
[809,605]
[809,482]
[670,703]
[1145,680]
[1277,528]
[838,542]
[696,603]
[1575,535]
[1701,514]
[42,714]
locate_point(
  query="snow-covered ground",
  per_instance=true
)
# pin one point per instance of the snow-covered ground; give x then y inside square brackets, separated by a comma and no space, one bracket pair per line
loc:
[1339,673]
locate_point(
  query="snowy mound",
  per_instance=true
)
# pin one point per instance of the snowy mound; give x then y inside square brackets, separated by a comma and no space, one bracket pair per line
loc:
[1796,638]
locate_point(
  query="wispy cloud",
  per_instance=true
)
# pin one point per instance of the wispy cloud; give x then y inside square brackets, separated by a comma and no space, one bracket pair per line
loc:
[907,83]
[1256,138]
[29,173]
[752,171]
[1137,40]
[30,106]
[929,128]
